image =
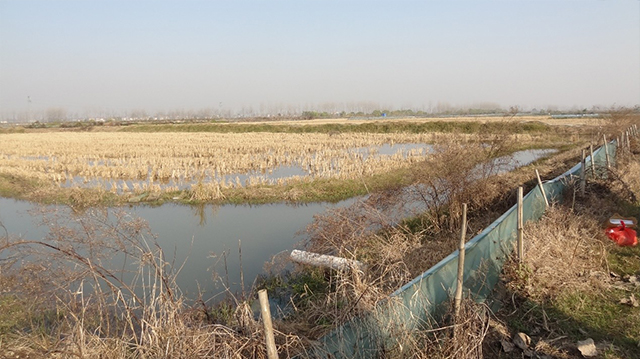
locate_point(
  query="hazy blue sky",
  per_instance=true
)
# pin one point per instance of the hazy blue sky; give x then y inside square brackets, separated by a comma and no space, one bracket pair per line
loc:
[111,56]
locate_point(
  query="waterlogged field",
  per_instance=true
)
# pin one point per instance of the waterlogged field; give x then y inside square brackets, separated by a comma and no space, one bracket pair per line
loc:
[136,163]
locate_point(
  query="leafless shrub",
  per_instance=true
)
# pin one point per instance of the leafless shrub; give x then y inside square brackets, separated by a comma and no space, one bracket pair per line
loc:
[619,119]
[360,232]
[132,308]
[456,173]
[374,230]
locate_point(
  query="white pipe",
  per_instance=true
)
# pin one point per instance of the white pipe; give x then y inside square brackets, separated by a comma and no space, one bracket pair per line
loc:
[323,260]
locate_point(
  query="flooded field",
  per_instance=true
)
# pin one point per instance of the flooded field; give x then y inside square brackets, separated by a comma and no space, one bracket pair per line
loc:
[166,162]
[204,237]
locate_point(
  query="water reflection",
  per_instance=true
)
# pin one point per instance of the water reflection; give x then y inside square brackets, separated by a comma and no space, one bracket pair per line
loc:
[206,237]
[277,175]
[199,236]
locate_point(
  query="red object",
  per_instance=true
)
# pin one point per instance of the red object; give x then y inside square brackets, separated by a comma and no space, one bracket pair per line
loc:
[623,236]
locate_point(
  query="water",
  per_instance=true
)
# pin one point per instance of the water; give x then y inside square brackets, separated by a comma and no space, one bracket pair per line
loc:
[267,176]
[201,234]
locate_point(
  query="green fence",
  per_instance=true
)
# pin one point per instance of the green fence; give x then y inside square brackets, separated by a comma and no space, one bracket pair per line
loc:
[415,305]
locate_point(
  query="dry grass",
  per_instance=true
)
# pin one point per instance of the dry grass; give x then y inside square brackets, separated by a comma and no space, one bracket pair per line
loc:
[73,300]
[211,166]
[133,162]
[570,284]
[395,250]
[448,338]
[75,305]
[561,253]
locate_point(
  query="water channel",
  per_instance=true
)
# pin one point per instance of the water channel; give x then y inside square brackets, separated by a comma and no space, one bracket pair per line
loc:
[200,235]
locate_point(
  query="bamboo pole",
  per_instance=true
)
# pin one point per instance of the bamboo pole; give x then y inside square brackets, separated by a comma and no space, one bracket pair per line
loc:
[272,353]
[463,234]
[544,194]
[606,150]
[593,163]
[520,227]
[583,172]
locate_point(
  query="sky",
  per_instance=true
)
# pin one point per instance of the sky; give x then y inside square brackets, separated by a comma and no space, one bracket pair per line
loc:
[97,57]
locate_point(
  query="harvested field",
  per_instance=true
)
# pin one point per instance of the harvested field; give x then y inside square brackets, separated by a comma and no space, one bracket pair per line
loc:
[135,162]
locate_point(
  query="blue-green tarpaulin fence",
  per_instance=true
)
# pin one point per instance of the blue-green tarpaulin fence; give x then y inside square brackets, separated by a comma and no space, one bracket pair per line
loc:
[414,306]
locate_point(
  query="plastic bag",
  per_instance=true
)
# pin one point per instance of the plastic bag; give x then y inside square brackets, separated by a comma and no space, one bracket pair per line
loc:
[622,235]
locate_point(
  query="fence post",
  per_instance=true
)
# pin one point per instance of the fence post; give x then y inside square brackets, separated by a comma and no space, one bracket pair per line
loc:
[272,353]
[593,163]
[463,234]
[628,142]
[583,172]
[606,150]
[520,227]
[544,194]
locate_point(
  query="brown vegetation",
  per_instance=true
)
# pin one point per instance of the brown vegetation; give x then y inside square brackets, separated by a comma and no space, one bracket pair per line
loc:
[66,300]
[574,280]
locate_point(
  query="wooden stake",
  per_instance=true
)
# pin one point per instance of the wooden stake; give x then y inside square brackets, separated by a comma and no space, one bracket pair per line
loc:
[463,234]
[606,150]
[593,163]
[520,227]
[583,172]
[628,142]
[544,194]
[272,353]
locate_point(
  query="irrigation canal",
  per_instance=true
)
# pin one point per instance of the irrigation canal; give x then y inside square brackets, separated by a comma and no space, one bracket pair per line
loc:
[198,236]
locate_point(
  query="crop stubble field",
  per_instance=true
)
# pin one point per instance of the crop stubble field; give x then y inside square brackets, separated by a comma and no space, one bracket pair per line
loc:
[241,162]
[167,158]
[137,162]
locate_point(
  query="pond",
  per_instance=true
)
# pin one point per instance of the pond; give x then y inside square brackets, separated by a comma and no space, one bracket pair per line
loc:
[200,235]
